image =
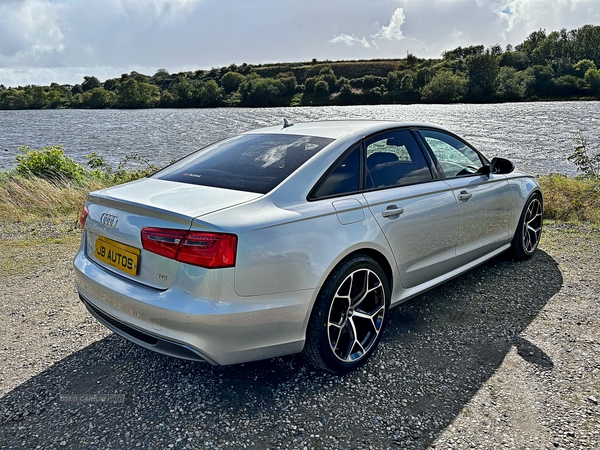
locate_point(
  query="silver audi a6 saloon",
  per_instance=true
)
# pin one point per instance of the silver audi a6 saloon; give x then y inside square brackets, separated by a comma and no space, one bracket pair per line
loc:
[297,238]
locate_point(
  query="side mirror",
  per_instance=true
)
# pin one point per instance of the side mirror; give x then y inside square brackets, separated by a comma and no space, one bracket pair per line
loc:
[501,166]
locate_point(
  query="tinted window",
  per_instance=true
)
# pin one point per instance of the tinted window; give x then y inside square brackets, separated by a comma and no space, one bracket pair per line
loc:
[395,159]
[344,178]
[253,162]
[455,157]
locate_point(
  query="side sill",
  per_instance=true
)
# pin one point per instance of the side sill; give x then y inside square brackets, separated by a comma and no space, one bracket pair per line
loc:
[407,294]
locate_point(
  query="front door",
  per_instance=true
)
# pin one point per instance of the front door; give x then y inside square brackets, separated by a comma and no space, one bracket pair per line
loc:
[484,201]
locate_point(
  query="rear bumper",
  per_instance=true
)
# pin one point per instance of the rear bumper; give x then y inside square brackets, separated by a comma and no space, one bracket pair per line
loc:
[227,329]
[143,338]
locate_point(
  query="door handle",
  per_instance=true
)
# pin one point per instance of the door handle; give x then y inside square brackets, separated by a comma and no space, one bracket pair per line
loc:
[392,211]
[464,195]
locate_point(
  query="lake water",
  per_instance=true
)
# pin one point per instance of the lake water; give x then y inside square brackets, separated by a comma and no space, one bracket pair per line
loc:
[537,137]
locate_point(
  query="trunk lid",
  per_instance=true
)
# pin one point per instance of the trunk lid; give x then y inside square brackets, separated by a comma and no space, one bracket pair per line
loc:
[118,214]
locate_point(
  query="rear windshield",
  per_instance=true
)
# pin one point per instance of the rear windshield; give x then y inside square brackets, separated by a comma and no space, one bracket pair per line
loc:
[252,162]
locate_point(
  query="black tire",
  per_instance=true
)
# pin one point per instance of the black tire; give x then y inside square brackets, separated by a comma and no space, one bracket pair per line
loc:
[349,316]
[529,231]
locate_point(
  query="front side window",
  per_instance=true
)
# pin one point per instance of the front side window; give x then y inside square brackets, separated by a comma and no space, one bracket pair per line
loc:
[455,157]
[252,162]
[395,159]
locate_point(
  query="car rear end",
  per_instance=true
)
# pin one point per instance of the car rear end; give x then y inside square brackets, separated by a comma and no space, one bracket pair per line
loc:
[154,267]
[146,273]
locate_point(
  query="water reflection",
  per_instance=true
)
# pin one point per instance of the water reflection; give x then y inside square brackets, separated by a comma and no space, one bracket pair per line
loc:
[536,136]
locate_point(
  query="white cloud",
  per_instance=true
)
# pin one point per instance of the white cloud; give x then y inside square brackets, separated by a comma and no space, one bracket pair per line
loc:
[446,24]
[531,15]
[29,29]
[350,40]
[166,9]
[393,31]
[59,40]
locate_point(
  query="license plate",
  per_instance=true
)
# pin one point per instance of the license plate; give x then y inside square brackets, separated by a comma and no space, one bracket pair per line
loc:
[115,254]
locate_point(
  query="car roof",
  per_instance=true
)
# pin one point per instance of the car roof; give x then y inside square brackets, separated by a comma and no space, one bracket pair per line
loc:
[336,129]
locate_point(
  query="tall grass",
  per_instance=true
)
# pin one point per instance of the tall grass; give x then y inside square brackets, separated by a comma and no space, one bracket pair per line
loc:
[29,198]
[48,185]
[571,200]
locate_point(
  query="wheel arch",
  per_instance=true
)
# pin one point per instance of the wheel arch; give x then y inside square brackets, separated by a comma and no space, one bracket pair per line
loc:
[526,239]
[373,253]
[536,191]
[523,188]
[357,260]
[540,193]
[379,259]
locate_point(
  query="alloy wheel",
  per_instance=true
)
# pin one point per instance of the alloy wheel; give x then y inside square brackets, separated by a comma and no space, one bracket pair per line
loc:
[356,315]
[532,226]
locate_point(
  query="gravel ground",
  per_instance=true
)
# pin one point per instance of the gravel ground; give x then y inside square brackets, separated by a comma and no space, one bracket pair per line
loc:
[506,356]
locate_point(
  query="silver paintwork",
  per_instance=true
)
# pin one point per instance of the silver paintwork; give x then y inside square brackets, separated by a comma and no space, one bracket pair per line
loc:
[287,247]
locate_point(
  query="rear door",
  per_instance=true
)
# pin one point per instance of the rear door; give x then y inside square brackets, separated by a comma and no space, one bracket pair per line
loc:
[484,201]
[417,214]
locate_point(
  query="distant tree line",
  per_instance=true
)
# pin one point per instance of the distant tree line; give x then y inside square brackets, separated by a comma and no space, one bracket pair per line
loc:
[559,65]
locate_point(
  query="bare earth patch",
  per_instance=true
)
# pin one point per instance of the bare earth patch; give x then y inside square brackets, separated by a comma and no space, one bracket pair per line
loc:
[506,356]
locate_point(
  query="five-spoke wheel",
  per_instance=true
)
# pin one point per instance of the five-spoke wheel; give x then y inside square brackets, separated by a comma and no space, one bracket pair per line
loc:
[529,230]
[349,315]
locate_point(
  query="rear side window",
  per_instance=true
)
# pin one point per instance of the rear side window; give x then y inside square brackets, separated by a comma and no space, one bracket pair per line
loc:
[253,162]
[344,178]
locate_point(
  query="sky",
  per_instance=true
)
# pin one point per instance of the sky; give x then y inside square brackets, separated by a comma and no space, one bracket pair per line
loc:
[45,41]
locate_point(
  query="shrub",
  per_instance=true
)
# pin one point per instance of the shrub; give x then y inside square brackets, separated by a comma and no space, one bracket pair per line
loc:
[131,168]
[49,163]
[321,88]
[48,184]
[588,164]
[445,87]
[592,77]
[581,67]
[231,81]
[575,199]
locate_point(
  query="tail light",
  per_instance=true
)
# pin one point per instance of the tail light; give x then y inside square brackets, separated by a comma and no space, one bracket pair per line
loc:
[210,250]
[83,216]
